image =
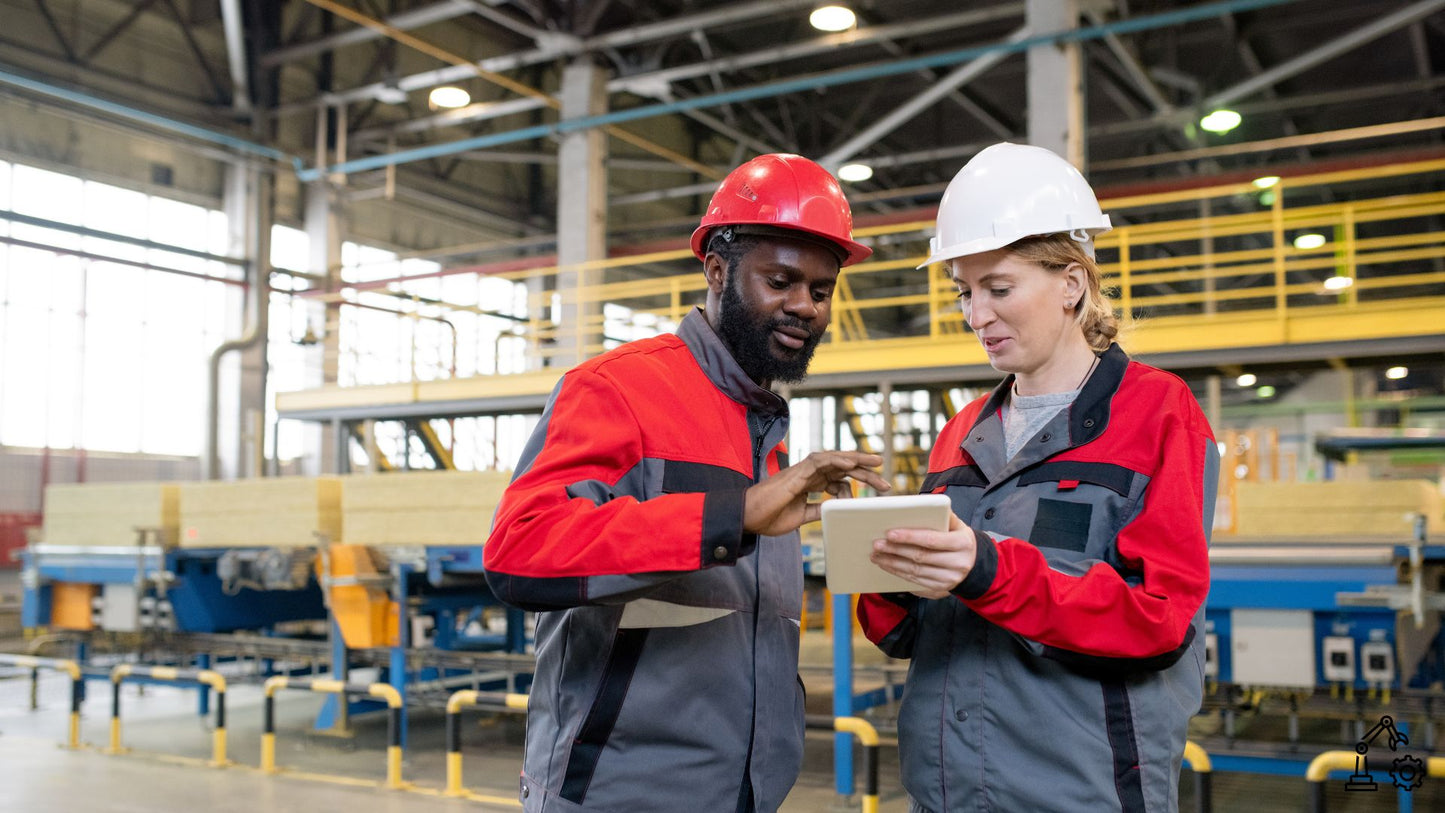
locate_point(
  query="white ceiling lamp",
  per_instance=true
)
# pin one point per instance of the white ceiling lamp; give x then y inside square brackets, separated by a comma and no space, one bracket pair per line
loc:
[449,97]
[1309,241]
[1246,380]
[833,18]
[1338,283]
[1221,121]
[855,173]
[1265,182]
[1265,392]
[1397,373]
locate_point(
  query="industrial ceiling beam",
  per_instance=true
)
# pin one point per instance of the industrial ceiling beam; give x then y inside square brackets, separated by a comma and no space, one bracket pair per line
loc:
[658,84]
[906,111]
[562,46]
[1309,59]
[405,21]
[807,83]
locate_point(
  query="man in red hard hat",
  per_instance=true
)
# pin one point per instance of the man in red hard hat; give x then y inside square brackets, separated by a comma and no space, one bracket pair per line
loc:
[653,525]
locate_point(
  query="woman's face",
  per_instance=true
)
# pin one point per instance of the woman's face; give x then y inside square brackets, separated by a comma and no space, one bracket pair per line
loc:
[1021,312]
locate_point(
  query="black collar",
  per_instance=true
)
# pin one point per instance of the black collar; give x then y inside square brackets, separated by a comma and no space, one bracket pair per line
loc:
[1090,413]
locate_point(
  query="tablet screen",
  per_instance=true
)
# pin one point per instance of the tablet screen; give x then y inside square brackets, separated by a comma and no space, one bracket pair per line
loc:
[851,525]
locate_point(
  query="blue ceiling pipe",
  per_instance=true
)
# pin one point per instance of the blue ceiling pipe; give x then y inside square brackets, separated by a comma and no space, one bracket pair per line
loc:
[151,119]
[772,89]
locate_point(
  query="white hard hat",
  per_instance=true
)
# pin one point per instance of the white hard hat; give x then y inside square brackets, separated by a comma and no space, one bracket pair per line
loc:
[1011,191]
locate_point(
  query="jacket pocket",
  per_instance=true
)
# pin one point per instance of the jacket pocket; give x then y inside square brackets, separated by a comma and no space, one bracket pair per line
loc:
[1062,524]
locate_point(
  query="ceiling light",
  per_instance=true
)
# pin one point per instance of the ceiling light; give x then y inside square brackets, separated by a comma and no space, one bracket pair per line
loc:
[833,18]
[855,173]
[1265,182]
[1220,121]
[1307,242]
[1246,380]
[1397,373]
[1265,392]
[449,97]
[1338,283]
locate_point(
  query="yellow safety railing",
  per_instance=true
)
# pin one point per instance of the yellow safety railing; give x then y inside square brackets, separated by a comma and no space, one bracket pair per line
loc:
[385,691]
[1187,277]
[171,674]
[867,737]
[469,697]
[60,665]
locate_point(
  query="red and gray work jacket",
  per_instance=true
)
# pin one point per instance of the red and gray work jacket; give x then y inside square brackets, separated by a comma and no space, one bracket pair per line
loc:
[667,640]
[1062,673]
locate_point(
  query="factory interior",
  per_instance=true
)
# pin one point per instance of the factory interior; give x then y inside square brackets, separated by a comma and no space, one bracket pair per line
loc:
[285,287]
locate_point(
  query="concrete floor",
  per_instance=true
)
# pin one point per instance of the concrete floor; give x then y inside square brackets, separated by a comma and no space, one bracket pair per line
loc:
[37,774]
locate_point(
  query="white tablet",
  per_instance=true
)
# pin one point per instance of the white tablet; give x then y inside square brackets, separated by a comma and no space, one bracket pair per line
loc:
[851,525]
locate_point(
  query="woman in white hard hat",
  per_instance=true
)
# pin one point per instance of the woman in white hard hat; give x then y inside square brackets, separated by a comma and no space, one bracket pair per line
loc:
[1055,635]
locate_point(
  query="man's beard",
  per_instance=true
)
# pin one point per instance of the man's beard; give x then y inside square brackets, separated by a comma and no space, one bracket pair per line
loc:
[749,336]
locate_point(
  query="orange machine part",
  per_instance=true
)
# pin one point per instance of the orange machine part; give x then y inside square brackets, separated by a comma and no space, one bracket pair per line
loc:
[366,615]
[70,604]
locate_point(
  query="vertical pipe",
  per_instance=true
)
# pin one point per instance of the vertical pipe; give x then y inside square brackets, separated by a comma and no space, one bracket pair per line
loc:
[203,694]
[403,642]
[842,691]
[34,688]
[1203,792]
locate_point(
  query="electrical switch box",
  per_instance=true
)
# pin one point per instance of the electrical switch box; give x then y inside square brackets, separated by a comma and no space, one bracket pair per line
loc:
[1338,654]
[1211,655]
[1377,662]
[1273,647]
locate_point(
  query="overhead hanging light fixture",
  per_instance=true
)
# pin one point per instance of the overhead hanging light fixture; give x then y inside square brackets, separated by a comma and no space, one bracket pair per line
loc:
[833,18]
[1309,241]
[855,173]
[1338,283]
[1220,121]
[1246,379]
[1265,182]
[1397,373]
[449,97]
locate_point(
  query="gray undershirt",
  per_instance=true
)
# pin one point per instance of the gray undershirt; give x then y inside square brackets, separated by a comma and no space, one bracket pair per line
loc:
[1025,415]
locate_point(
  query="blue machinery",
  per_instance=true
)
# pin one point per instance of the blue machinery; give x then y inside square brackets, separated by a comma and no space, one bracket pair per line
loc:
[200,593]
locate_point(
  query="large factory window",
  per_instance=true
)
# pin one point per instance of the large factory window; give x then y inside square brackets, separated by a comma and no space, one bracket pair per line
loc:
[76,330]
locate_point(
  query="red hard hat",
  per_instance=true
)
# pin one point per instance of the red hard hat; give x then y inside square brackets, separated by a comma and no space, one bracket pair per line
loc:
[783,192]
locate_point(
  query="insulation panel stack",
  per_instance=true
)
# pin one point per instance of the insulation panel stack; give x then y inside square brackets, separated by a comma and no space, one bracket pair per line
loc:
[421,507]
[275,512]
[1373,508]
[110,513]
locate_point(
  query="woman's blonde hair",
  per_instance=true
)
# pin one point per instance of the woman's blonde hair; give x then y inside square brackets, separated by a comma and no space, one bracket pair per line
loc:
[1094,312]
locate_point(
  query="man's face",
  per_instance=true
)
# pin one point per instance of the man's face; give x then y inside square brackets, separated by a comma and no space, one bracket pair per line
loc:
[775,306]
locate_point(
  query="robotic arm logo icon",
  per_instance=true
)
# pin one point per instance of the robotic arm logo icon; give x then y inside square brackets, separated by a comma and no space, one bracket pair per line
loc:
[1406,772]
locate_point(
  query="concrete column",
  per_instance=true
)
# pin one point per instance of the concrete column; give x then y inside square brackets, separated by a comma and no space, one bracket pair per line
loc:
[581,210]
[1056,82]
[323,222]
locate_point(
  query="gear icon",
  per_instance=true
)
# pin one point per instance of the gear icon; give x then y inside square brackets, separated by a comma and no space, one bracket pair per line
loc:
[1407,772]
